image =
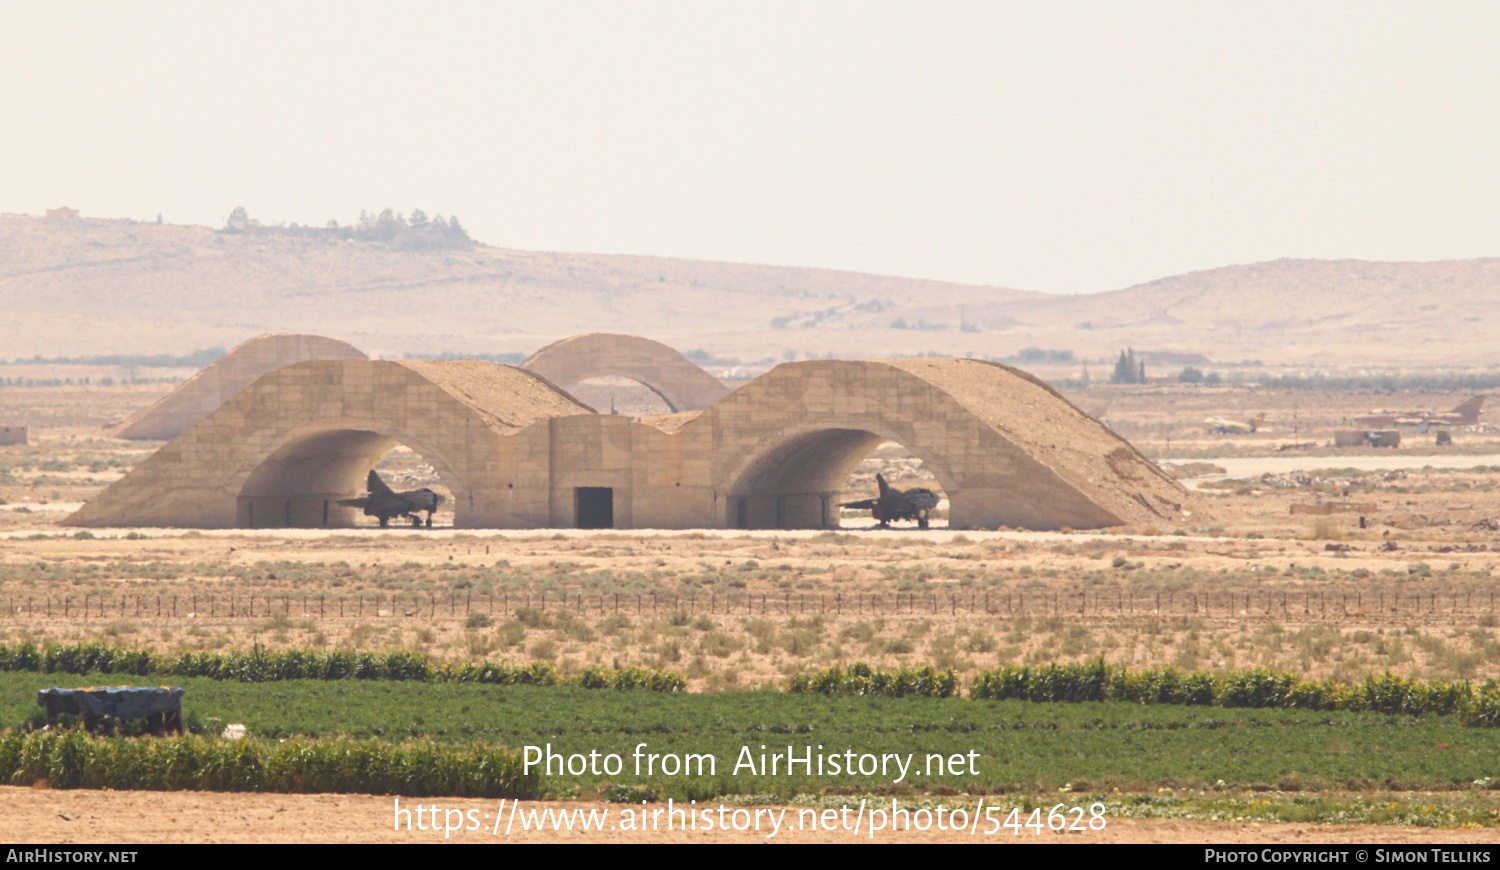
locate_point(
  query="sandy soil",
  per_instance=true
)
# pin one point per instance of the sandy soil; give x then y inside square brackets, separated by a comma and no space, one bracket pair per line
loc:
[46,816]
[1275,591]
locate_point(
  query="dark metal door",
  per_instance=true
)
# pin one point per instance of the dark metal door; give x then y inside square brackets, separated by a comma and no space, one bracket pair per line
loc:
[594,507]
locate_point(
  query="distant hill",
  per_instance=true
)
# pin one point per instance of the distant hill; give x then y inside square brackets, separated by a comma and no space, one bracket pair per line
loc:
[1334,311]
[89,286]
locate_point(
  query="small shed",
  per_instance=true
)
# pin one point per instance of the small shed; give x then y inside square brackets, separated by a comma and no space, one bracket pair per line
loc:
[1363,437]
[160,706]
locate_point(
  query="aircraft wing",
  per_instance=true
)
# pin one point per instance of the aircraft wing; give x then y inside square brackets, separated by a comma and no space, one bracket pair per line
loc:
[921,499]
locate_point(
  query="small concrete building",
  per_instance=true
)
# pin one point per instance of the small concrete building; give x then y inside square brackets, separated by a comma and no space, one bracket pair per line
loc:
[10,435]
[517,452]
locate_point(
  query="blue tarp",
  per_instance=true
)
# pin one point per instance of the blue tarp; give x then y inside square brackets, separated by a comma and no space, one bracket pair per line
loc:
[121,702]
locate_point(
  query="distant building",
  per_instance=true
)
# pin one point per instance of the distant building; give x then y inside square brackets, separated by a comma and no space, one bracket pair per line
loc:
[62,213]
[12,435]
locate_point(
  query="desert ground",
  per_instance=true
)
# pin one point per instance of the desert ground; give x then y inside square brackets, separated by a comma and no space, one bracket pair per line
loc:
[66,817]
[1412,590]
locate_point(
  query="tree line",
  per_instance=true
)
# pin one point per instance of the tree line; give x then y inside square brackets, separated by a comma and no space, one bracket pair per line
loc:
[414,232]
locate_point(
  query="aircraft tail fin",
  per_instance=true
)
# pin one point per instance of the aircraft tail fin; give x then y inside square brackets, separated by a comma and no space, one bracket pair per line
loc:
[1471,408]
[884,487]
[376,486]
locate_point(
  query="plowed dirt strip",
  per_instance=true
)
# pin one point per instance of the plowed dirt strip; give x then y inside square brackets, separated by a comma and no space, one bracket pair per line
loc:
[62,817]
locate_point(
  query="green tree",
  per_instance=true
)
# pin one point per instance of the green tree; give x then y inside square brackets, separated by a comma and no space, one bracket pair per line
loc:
[1128,370]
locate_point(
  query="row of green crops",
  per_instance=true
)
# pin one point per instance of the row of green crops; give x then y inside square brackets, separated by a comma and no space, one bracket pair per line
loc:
[1097,681]
[1022,746]
[76,759]
[1258,688]
[260,665]
[861,679]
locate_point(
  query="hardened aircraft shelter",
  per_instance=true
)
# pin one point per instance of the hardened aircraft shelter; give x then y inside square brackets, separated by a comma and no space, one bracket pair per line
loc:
[203,393]
[681,383]
[518,452]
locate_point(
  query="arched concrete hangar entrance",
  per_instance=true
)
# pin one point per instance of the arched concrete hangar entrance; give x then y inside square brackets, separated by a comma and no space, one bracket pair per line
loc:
[1007,449]
[300,484]
[675,378]
[801,483]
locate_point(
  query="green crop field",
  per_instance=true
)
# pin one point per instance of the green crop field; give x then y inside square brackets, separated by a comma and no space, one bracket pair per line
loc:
[1019,745]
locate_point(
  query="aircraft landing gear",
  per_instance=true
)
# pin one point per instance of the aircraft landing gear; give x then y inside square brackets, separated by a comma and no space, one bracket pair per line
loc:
[416,522]
[922,520]
[384,522]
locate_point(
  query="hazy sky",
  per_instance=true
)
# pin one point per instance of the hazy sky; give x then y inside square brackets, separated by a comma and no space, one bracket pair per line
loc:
[1055,146]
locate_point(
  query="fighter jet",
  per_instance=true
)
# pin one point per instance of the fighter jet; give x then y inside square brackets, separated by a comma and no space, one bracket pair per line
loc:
[898,504]
[1464,414]
[1222,426]
[384,503]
